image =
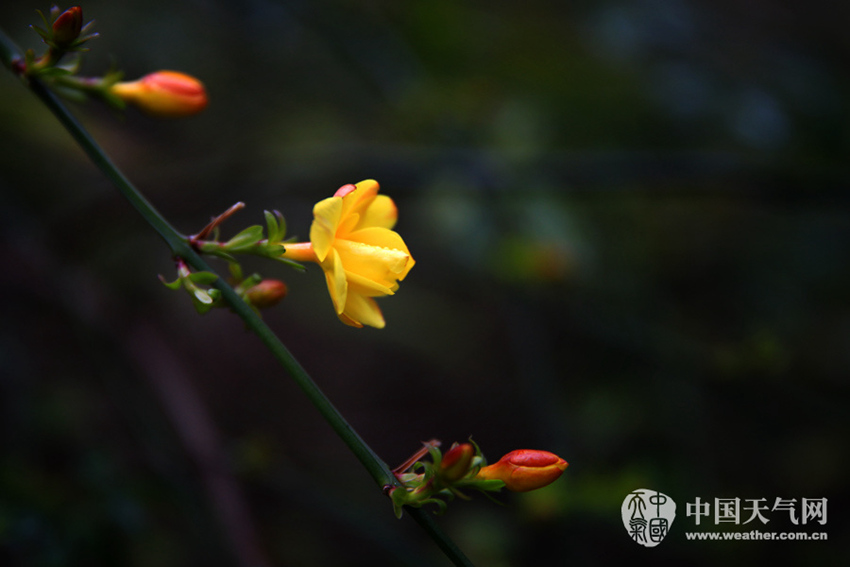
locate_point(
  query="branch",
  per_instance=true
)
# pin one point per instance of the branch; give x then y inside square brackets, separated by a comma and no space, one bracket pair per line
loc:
[178,244]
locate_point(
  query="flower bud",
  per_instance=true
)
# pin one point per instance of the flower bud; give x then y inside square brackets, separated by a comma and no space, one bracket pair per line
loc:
[267,293]
[525,469]
[66,27]
[456,462]
[166,94]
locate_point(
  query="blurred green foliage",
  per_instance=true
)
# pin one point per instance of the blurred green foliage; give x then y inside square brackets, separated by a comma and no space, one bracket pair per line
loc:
[631,227]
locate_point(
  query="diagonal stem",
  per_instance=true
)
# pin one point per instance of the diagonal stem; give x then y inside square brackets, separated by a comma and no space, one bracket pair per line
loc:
[180,247]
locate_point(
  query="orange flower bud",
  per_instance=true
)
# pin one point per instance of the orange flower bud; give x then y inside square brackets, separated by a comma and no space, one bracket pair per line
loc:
[66,27]
[456,463]
[167,94]
[525,469]
[267,293]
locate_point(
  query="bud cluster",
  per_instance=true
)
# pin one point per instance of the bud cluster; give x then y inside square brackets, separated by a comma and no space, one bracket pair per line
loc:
[257,292]
[164,94]
[463,467]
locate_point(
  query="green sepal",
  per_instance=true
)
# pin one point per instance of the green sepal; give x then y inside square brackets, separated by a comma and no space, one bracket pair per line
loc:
[243,285]
[274,249]
[251,281]
[45,35]
[292,263]
[484,485]
[48,22]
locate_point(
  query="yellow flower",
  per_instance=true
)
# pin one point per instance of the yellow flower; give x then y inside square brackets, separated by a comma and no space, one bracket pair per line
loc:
[165,94]
[352,239]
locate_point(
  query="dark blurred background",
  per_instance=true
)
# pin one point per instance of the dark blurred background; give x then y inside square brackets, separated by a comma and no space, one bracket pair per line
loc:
[631,223]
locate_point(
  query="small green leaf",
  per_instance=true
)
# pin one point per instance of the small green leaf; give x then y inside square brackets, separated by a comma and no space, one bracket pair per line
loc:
[235,271]
[251,281]
[248,237]
[202,296]
[55,72]
[203,278]
[272,226]
[202,308]
[173,285]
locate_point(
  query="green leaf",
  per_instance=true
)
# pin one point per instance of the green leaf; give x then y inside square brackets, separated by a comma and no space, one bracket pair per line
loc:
[203,278]
[276,224]
[202,296]
[245,239]
[235,270]
[272,226]
[173,285]
[55,72]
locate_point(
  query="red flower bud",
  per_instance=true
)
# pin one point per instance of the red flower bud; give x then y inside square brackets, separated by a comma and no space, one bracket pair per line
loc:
[525,469]
[267,293]
[456,463]
[166,94]
[66,27]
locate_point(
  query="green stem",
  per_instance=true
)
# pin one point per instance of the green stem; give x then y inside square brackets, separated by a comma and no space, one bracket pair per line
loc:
[179,245]
[426,520]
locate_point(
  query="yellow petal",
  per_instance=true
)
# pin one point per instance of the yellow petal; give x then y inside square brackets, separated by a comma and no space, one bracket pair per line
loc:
[379,264]
[337,283]
[349,321]
[326,215]
[381,212]
[363,310]
[384,238]
[358,200]
[347,224]
[367,287]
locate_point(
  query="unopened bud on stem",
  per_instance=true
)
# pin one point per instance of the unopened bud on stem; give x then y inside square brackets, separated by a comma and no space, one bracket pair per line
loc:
[166,94]
[66,27]
[456,463]
[525,469]
[267,293]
